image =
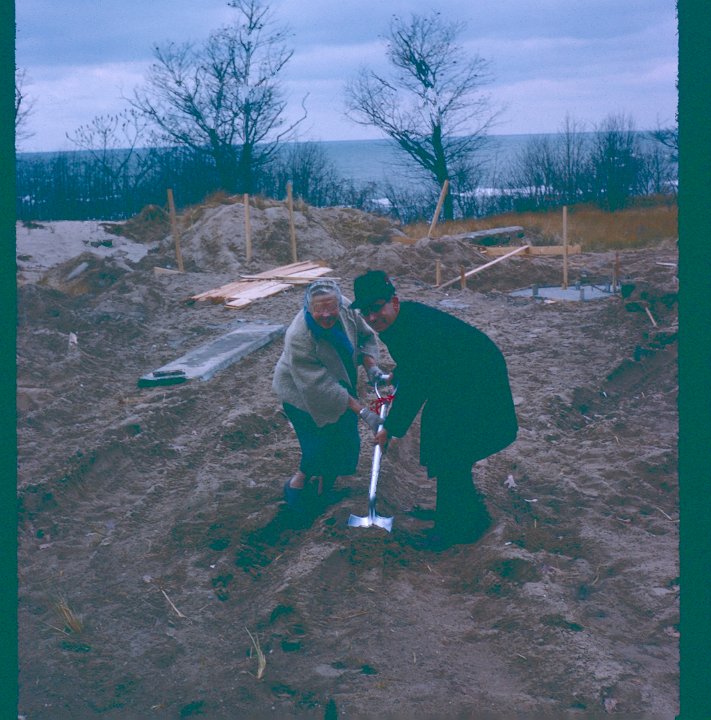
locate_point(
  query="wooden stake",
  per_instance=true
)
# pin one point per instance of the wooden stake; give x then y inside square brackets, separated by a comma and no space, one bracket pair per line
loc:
[174,230]
[440,202]
[565,247]
[438,272]
[170,602]
[650,316]
[247,229]
[292,230]
[462,277]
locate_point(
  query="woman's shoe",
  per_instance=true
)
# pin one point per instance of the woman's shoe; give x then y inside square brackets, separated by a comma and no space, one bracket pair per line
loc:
[293,496]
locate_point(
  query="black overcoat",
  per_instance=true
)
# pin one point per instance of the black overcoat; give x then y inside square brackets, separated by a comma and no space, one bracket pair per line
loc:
[460,376]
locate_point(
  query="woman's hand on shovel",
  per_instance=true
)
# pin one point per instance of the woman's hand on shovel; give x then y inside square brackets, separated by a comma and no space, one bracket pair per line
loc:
[370,418]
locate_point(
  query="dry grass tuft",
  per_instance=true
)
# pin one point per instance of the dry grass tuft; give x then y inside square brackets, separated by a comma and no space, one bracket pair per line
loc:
[594,229]
[262,202]
[261,658]
[72,623]
[219,197]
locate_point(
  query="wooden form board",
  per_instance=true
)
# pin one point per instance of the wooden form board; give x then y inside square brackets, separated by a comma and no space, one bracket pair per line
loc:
[242,292]
[516,230]
[498,250]
[203,362]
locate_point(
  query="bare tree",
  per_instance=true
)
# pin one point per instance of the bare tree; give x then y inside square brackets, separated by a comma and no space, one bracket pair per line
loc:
[534,172]
[669,137]
[223,98]
[572,160]
[111,140]
[115,159]
[23,106]
[616,163]
[431,104]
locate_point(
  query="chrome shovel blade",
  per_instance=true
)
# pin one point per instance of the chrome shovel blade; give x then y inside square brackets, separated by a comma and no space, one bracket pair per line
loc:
[384,522]
[372,518]
[357,521]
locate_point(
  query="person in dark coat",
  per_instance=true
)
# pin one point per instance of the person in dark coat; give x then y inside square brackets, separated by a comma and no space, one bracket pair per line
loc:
[458,376]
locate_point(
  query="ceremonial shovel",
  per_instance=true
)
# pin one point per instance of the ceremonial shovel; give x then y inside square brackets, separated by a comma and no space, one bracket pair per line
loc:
[372,518]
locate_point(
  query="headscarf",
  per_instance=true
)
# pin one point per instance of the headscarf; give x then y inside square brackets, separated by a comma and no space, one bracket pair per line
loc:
[322,286]
[335,335]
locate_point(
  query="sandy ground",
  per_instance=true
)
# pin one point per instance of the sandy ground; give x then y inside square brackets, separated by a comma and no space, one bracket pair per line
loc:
[153,539]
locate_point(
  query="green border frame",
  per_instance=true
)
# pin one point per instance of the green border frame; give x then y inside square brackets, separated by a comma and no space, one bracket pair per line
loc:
[694,356]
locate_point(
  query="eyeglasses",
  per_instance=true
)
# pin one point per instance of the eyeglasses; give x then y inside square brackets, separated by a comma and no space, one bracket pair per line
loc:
[325,309]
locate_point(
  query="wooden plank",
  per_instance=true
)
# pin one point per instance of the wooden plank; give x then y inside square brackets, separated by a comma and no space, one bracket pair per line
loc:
[438,209]
[252,287]
[310,274]
[298,279]
[523,248]
[260,289]
[293,269]
[174,230]
[565,247]
[232,288]
[497,250]
[238,303]
[247,229]
[555,250]
[246,298]
[235,289]
[292,229]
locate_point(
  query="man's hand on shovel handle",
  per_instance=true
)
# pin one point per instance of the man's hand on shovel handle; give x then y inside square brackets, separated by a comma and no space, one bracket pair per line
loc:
[381,438]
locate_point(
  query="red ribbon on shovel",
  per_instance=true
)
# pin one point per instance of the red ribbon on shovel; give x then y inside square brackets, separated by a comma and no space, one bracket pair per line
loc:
[376,404]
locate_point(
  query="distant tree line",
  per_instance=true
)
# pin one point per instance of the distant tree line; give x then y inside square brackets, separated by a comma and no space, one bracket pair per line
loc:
[212,118]
[610,167]
[118,183]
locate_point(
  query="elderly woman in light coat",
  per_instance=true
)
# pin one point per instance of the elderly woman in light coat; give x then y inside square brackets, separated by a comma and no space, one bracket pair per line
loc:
[315,378]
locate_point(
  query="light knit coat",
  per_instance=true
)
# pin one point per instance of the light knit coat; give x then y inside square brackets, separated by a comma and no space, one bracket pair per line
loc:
[310,374]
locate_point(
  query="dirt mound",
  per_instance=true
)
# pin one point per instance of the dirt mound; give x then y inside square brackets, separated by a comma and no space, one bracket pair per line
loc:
[150,225]
[213,239]
[157,560]
[86,273]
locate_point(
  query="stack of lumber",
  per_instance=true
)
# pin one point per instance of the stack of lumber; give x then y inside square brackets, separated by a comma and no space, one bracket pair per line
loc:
[242,292]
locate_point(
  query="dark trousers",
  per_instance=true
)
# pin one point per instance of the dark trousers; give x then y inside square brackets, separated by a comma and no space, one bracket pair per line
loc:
[327,451]
[461,512]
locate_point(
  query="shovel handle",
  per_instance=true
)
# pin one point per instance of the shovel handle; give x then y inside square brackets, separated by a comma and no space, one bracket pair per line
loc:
[378,452]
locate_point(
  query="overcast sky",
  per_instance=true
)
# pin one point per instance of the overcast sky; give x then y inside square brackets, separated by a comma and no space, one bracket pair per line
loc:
[548,58]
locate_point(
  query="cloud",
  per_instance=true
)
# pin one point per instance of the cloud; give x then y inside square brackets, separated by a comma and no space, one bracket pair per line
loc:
[540,105]
[93,89]
[335,61]
[92,31]
[547,57]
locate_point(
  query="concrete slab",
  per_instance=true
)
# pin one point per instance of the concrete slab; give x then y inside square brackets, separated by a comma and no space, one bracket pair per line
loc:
[204,361]
[572,292]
